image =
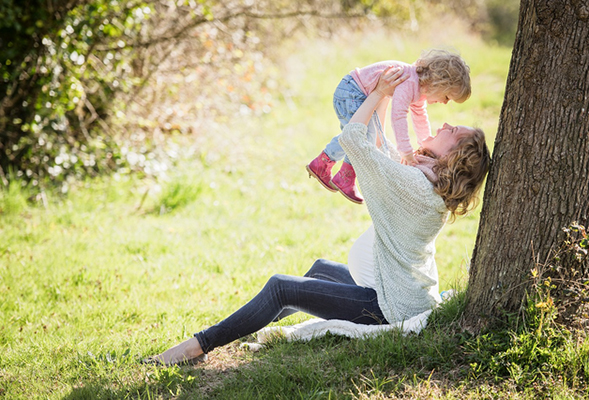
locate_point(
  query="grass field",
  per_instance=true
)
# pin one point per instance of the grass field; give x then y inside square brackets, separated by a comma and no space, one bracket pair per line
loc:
[123,268]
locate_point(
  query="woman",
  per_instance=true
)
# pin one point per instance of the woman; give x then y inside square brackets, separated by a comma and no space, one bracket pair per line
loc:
[392,274]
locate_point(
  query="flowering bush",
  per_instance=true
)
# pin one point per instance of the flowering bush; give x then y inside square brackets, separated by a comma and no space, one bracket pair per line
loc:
[63,65]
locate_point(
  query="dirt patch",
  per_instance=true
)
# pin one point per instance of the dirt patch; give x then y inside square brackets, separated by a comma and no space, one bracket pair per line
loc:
[222,363]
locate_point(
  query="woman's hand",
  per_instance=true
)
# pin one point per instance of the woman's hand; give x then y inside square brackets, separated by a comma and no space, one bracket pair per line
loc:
[387,82]
[409,159]
[389,79]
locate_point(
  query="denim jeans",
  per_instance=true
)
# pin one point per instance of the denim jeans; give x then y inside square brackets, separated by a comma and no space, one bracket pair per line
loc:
[348,97]
[326,291]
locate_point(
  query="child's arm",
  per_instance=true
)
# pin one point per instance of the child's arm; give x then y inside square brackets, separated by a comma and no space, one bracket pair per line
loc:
[400,103]
[407,159]
[420,121]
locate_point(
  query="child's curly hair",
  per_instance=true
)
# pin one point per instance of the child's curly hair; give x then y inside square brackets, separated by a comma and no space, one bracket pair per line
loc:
[440,71]
[461,172]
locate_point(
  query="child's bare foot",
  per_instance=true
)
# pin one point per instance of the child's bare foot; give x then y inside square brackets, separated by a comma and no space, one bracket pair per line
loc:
[187,352]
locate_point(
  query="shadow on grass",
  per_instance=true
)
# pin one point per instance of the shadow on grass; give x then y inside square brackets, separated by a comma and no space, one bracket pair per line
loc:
[327,367]
[440,362]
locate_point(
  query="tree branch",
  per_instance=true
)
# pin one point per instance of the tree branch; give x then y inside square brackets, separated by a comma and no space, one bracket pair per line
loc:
[241,13]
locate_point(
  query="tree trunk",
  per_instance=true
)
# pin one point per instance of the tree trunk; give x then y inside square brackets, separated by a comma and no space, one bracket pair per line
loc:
[538,181]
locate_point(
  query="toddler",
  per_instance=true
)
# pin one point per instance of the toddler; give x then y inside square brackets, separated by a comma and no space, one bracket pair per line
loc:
[438,76]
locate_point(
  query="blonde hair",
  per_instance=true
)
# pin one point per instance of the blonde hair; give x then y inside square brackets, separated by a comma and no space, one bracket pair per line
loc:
[443,72]
[461,172]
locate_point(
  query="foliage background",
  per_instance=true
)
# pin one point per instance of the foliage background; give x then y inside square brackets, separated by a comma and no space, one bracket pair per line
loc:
[98,86]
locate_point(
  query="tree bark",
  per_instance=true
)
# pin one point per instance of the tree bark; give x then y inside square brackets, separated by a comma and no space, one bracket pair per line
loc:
[538,182]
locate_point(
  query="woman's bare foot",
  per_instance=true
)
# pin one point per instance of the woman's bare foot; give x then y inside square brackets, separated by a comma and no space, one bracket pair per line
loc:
[185,352]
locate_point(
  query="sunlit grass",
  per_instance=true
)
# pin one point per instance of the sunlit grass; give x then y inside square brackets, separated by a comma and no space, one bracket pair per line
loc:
[121,269]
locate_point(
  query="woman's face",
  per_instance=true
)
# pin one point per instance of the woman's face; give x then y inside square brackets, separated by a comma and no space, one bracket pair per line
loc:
[446,139]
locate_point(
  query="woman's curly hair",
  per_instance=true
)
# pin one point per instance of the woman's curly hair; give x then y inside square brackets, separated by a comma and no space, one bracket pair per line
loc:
[461,172]
[443,72]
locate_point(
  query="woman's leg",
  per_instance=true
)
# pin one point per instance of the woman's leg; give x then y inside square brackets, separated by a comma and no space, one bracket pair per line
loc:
[330,294]
[324,270]
[324,299]
[331,271]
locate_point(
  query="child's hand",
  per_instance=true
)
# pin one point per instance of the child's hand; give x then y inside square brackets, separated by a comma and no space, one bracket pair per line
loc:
[409,159]
[389,79]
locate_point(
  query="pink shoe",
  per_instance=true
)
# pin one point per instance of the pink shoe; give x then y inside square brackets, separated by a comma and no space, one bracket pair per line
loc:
[320,168]
[345,182]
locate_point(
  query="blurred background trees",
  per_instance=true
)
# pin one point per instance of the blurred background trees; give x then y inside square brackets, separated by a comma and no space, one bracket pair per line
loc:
[98,86]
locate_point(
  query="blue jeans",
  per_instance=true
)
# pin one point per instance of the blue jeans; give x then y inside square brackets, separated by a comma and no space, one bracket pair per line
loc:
[348,97]
[327,291]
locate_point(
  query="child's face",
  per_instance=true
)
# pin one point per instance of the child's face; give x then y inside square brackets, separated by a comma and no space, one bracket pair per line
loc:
[446,139]
[437,97]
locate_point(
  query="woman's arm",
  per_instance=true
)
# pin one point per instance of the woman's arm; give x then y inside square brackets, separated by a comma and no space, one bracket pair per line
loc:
[381,179]
[381,111]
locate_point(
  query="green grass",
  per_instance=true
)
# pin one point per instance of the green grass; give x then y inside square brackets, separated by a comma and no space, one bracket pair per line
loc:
[120,269]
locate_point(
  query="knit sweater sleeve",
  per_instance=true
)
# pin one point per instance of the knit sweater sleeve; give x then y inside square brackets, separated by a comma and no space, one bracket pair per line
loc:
[381,175]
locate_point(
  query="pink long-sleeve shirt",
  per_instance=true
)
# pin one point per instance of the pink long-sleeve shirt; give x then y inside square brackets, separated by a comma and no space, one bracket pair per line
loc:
[407,97]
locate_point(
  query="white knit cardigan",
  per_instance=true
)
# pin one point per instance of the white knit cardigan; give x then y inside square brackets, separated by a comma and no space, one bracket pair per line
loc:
[407,215]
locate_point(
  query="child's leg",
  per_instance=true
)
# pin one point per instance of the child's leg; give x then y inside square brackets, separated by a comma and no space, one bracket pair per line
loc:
[347,98]
[345,179]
